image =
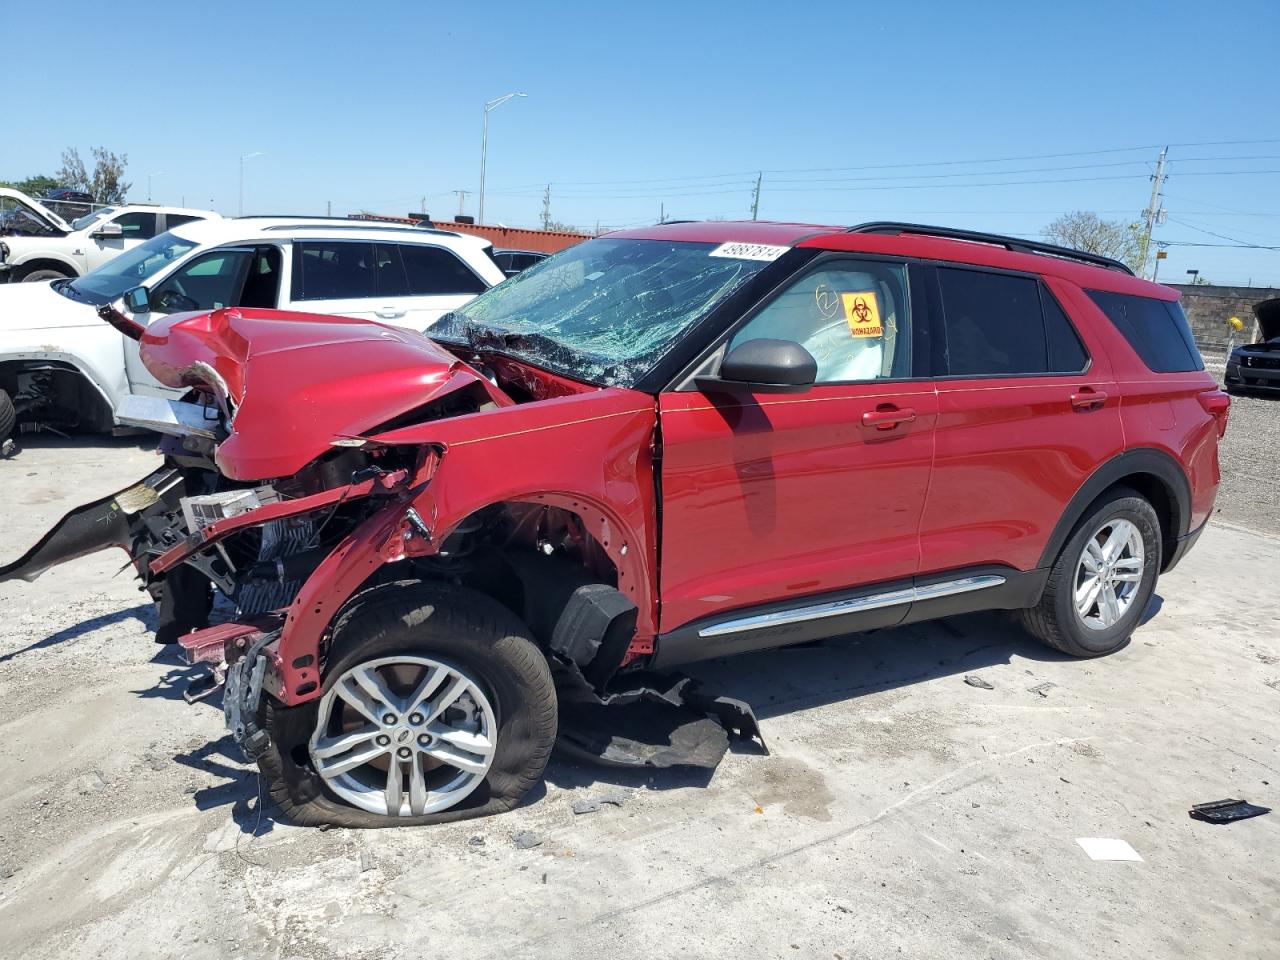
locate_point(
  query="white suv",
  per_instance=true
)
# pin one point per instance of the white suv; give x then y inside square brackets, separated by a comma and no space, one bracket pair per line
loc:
[62,366]
[83,245]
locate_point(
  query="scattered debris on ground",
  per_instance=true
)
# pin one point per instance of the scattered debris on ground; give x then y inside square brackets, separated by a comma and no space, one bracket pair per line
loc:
[1107,848]
[591,804]
[975,681]
[1042,688]
[1226,811]
[527,840]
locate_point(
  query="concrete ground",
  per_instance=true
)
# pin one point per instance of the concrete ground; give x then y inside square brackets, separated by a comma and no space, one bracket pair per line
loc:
[900,812]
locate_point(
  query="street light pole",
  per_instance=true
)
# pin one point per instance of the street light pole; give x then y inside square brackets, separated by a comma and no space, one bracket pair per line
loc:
[158,173]
[484,142]
[247,156]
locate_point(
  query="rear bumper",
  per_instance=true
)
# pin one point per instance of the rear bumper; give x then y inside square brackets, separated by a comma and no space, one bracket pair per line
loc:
[1184,543]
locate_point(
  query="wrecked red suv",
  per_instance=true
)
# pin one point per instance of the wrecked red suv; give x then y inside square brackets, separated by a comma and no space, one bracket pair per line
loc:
[659,446]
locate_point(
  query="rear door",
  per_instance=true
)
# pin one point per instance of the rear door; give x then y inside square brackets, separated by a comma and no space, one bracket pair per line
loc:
[340,277]
[1027,408]
[782,498]
[438,281]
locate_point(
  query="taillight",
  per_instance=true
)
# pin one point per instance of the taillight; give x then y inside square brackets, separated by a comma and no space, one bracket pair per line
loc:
[1218,405]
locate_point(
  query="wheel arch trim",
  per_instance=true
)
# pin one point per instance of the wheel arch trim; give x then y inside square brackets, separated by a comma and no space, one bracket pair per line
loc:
[1137,463]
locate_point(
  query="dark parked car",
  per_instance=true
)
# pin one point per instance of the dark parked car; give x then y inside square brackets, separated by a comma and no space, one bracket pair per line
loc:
[512,262]
[69,204]
[1256,366]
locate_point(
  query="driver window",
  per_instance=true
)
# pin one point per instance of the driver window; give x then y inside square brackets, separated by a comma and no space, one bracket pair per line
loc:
[209,282]
[853,316]
[137,225]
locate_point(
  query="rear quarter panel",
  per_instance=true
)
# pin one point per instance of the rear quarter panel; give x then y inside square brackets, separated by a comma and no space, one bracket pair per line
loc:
[1159,411]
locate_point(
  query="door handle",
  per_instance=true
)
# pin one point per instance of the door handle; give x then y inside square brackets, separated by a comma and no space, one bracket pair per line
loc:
[390,313]
[1088,399]
[887,416]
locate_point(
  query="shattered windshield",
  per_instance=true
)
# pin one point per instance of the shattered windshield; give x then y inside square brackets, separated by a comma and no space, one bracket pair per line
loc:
[603,311]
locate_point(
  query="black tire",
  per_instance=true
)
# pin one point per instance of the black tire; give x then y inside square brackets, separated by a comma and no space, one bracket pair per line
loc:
[462,626]
[35,276]
[8,416]
[1054,620]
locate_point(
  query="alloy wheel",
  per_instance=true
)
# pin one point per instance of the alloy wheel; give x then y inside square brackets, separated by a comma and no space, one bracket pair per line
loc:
[1109,574]
[404,736]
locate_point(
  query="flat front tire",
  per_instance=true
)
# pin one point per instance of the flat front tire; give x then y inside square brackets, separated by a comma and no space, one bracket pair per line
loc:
[1103,578]
[436,705]
[8,416]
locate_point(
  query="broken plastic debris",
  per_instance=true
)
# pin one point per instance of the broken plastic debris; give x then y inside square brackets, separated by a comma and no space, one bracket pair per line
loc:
[1226,811]
[1042,688]
[527,840]
[975,681]
[1104,848]
[591,804]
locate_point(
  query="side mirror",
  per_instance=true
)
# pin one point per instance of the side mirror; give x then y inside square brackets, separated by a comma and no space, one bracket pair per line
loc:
[108,231]
[138,300]
[764,366]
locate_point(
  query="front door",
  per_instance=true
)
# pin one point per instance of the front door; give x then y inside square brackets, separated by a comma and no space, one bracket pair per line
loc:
[137,226]
[770,498]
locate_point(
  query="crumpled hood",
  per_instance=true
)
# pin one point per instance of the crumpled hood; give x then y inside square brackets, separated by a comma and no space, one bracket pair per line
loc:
[298,381]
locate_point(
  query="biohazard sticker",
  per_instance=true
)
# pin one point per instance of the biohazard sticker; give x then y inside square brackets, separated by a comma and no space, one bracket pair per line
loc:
[862,311]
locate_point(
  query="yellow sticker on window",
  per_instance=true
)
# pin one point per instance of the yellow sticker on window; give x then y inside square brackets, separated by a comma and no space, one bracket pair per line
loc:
[862,311]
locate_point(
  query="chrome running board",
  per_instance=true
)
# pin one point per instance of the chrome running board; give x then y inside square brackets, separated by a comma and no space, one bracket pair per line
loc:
[838,608]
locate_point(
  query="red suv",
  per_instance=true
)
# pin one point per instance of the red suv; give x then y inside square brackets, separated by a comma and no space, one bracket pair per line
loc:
[659,446]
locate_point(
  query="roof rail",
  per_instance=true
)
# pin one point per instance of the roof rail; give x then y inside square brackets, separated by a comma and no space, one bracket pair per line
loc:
[361,225]
[1013,244]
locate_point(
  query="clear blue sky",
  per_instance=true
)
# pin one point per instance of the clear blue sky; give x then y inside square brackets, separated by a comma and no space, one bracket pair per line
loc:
[679,104]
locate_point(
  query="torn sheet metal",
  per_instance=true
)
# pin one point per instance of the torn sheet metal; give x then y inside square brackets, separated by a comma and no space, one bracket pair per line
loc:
[649,720]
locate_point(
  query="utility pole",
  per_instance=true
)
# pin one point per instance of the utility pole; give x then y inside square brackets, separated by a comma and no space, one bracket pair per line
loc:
[546,207]
[1154,213]
[755,200]
[662,213]
[424,204]
[328,208]
[462,198]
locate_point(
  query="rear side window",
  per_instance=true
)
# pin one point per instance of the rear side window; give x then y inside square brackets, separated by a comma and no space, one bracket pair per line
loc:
[333,270]
[1156,329]
[172,220]
[432,270]
[1002,325]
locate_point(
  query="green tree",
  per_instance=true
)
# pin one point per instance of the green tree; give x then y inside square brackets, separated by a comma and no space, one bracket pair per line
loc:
[36,186]
[1083,230]
[106,184]
[72,173]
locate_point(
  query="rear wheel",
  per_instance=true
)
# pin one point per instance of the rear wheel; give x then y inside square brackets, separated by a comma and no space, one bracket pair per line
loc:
[1102,580]
[436,706]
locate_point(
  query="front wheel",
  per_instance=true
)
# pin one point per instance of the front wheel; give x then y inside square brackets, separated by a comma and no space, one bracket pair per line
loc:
[35,276]
[8,416]
[1102,580]
[436,706]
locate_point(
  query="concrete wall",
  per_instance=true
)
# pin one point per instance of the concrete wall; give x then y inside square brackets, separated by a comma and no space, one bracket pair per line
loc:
[1208,308]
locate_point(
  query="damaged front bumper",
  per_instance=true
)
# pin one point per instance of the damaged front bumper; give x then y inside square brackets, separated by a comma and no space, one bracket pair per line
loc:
[119,520]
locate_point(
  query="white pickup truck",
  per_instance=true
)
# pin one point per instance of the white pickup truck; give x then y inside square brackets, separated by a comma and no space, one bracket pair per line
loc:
[46,247]
[64,368]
